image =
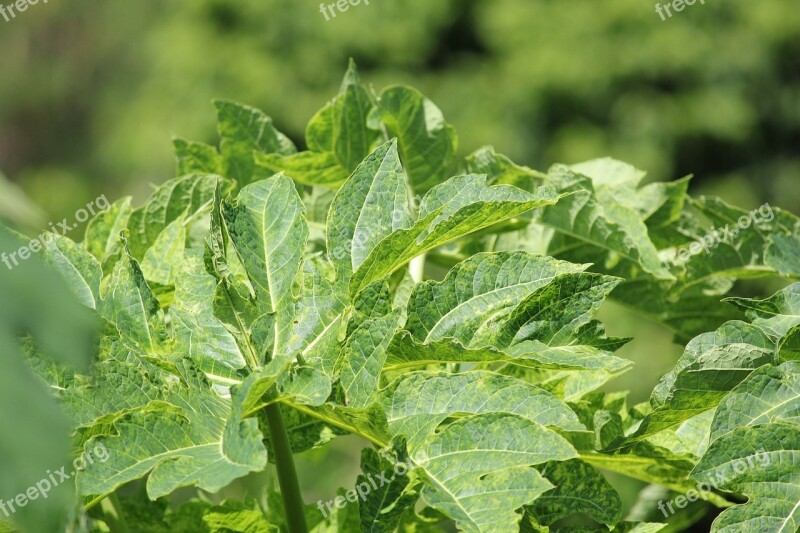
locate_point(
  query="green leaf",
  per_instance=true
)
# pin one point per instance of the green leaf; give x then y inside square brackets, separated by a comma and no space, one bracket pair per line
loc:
[337,137]
[116,388]
[196,157]
[577,488]
[610,226]
[369,207]
[712,365]
[758,243]
[382,508]
[162,260]
[199,334]
[235,517]
[131,306]
[363,357]
[187,196]
[760,462]
[477,292]
[770,394]
[37,434]
[558,313]
[268,229]
[369,423]
[427,143]
[478,470]
[352,140]
[500,169]
[418,403]
[278,381]
[308,168]
[453,209]
[651,464]
[406,352]
[203,440]
[242,131]
[102,232]
[79,269]
[320,310]
[777,314]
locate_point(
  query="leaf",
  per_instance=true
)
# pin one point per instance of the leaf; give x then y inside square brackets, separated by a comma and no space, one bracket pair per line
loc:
[500,169]
[478,470]
[161,261]
[453,209]
[234,517]
[117,388]
[577,488]
[319,311]
[478,292]
[243,130]
[782,254]
[78,268]
[758,243]
[352,140]
[777,314]
[427,143]
[418,403]
[713,364]
[203,440]
[370,206]
[760,462]
[610,226]
[369,423]
[308,168]
[199,334]
[278,381]
[337,137]
[558,313]
[270,240]
[102,232]
[131,306]
[770,394]
[406,352]
[363,357]
[382,508]
[196,157]
[37,435]
[188,196]
[651,464]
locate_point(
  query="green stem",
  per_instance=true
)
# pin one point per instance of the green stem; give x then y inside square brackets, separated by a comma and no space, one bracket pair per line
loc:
[417,268]
[112,509]
[287,474]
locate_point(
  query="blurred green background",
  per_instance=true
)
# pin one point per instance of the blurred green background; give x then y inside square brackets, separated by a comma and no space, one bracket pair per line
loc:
[91,94]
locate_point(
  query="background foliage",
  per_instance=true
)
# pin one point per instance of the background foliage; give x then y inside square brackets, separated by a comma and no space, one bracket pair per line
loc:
[713,91]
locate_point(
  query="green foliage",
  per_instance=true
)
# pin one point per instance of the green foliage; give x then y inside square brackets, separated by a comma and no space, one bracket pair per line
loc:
[59,330]
[712,90]
[237,324]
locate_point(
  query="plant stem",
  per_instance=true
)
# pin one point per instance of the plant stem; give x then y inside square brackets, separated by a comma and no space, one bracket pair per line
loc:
[112,509]
[287,474]
[417,268]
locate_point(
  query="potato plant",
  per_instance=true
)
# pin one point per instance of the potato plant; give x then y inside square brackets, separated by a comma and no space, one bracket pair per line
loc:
[268,300]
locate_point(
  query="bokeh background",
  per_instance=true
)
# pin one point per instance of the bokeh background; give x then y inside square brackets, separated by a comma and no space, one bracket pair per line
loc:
[91,94]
